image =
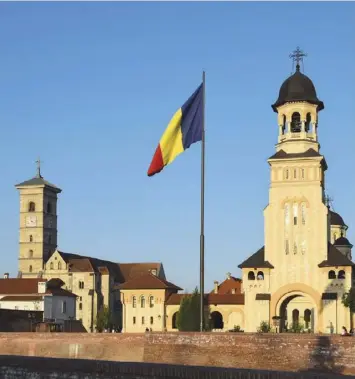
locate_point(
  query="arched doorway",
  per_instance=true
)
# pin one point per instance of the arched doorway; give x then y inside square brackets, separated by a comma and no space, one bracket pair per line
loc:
[174,321]
[217,320]
[297,312]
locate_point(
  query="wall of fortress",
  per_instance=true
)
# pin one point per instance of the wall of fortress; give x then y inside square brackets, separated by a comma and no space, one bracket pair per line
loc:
[304,353]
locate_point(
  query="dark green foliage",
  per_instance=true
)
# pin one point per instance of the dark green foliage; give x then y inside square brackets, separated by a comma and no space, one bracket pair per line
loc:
[188,318]
[264,327]
[103,319]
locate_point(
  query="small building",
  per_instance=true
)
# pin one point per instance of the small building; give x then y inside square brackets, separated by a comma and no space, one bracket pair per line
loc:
[37,294]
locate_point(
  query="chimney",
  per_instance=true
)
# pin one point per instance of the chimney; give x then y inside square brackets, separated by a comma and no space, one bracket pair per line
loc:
[229,275]
[6,275]
[215,286]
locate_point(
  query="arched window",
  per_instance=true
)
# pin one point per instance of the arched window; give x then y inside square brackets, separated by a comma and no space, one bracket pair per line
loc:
[49,207]
[303,213]
[30,253]
[59,265]
[31,206]
[296,123]
[151,301]
[174,320]
[260,275]
[134,302]
[341,274]
[287,247]
[142,302]
[30,269]
[308,122]
[283,124]
[31,238]
[64,307]
[307,318]
[331,274]
[251,275]
[295,316]
[51,266]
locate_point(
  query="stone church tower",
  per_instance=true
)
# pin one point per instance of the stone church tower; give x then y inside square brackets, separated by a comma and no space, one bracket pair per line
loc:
[38,224]
[299,276]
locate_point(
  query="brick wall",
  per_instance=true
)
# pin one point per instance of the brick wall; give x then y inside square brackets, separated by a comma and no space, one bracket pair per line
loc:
[284,352]
[15,367]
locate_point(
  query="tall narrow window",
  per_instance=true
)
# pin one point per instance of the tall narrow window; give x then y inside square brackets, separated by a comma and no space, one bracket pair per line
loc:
[49,208]
[134,320]
[51,266]
[294,248]
[302,173]
[30,269]
[59,265]
[295,173]
[31,238]
[295,213]
[287,214]
[30,254]
[287,247]
[134,302]
[64,307]
[303,213]
[151,302]
[286,173]
[142,302]
[151,320]
[142,320]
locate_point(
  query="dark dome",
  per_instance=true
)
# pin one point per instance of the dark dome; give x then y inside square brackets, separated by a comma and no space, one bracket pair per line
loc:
[342,241]
[336,219]
[298,87]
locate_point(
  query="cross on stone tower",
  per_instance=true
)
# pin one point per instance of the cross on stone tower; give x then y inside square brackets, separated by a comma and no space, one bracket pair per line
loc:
[38,161]
[297,56]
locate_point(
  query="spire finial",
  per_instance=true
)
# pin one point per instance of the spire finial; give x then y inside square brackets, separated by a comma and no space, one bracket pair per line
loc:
[297,56]
[38,161]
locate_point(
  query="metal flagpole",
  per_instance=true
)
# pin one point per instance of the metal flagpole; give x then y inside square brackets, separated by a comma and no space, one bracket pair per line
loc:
[202,236]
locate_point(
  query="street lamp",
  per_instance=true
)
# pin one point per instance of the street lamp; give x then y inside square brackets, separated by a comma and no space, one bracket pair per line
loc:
[276,322]
[31,316]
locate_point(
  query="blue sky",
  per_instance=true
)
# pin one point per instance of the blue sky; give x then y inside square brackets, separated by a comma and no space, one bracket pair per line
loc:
[90,87]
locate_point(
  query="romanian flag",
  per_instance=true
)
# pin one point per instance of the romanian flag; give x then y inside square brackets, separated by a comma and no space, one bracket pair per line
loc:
[184,129]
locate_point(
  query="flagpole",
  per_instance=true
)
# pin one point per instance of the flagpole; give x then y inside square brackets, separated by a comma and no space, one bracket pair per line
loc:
[202,236]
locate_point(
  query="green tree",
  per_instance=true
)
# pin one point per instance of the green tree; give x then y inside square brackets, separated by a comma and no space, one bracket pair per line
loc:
[348,301]
[103,319]
[188,318]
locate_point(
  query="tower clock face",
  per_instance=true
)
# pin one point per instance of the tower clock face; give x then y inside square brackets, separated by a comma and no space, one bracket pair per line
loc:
[31,221]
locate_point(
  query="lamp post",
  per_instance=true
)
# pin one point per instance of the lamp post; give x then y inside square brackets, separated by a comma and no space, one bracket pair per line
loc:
[276,322]
[31,316]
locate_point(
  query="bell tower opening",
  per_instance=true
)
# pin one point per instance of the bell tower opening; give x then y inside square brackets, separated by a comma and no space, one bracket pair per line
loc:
[38,223]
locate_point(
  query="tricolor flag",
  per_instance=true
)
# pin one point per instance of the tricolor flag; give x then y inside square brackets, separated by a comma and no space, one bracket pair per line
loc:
[184,129]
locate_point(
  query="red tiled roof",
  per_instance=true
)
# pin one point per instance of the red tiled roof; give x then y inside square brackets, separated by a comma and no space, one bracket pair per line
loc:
[20,286]
[228,285]
[132,270]
[148,281]
[21,298]
[210,299]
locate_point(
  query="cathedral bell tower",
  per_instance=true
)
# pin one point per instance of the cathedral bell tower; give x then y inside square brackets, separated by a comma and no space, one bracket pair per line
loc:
[296,219]
[38,224]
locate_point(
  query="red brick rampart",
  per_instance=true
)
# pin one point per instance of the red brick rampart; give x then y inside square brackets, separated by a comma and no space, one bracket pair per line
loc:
[283,352]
